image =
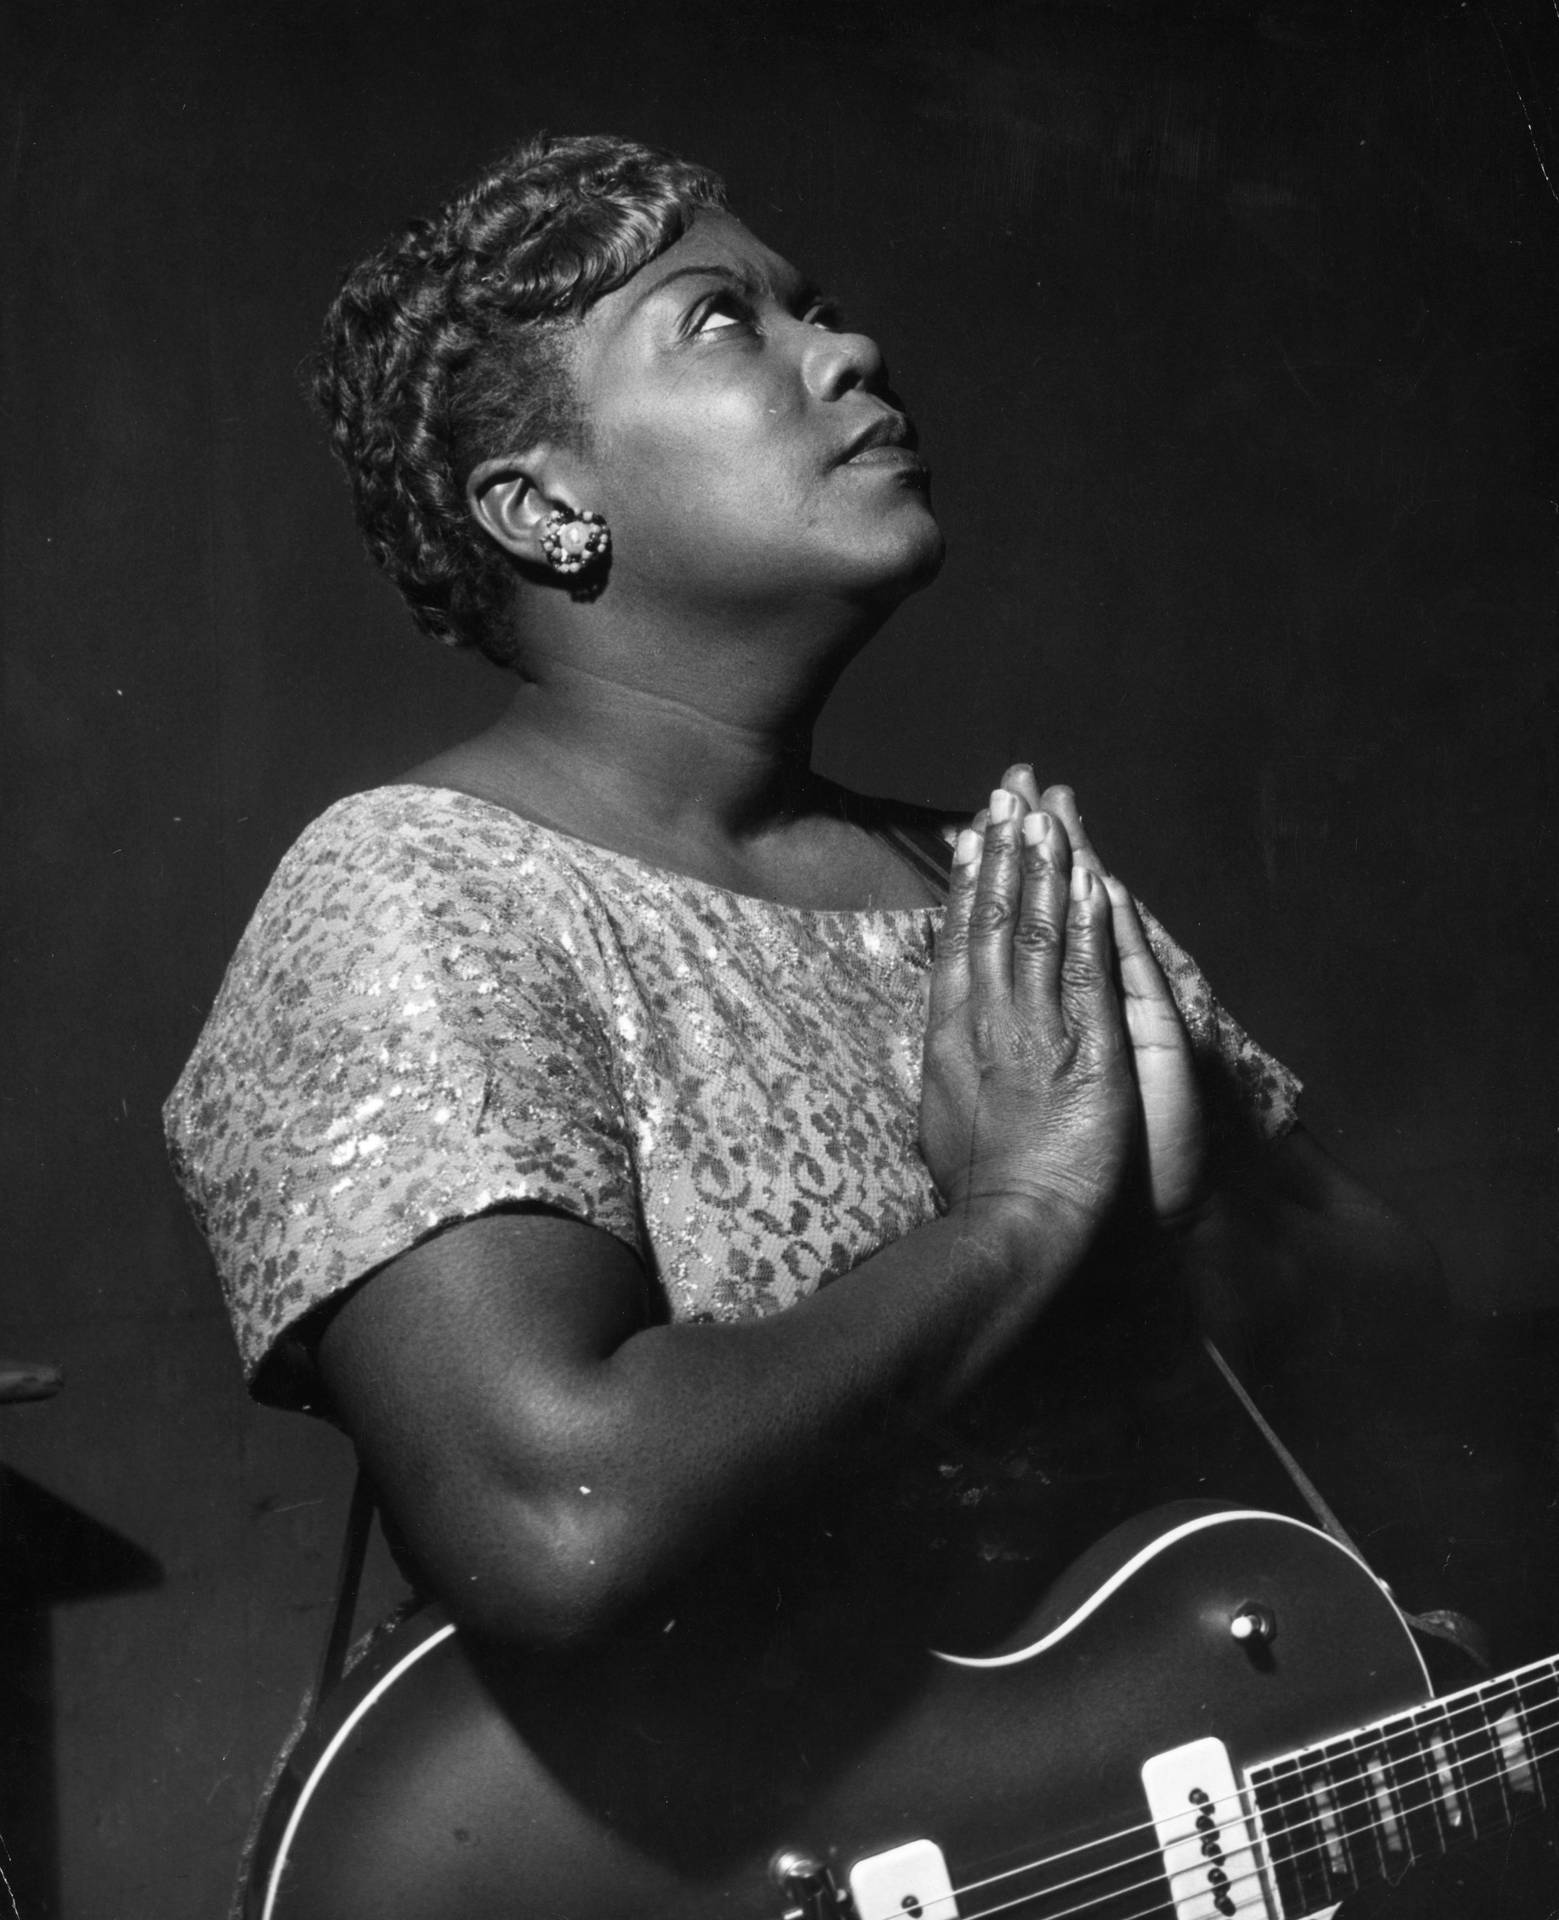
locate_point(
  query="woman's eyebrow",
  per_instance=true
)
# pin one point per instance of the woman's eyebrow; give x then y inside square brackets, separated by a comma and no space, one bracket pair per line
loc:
[711,270]
[752,285]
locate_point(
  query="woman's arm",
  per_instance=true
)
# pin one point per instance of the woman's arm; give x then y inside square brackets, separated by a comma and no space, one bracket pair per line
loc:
[1301,1270]
[553,1457]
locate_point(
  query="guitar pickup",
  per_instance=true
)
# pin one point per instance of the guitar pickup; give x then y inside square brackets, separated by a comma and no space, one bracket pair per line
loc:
[909,1880]
[1209,1857]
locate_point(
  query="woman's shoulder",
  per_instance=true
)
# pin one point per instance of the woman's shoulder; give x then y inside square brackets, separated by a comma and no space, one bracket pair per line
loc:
[398,881]
[412,843]
[377,823]
[398,907]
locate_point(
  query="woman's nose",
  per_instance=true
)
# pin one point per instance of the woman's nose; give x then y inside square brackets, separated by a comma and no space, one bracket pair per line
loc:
[838,362]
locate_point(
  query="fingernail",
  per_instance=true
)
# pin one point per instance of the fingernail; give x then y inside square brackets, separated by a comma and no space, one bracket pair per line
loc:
[1003,804]
[1036,827]
[1082,883]
[966,849]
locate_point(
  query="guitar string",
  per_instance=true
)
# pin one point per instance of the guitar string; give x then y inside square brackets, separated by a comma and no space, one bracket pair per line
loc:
[1533,1731]
[1094,1903]
[1236,1802]
[1437,1798]
[1223,1809]
[1522,1676]
[1161,1906]
[1463,1782]
[1405,1811]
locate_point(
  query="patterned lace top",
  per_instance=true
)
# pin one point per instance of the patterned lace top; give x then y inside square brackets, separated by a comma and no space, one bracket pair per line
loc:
[440,1008]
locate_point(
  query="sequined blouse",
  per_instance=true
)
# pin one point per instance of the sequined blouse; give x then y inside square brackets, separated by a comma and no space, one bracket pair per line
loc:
[440,1008]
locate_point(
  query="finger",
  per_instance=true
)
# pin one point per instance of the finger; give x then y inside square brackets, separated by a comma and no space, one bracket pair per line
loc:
[996,896]
[1088,993]
[1039,939]
[1062,802]
[1152,1014]
[950,968]
[1021,779]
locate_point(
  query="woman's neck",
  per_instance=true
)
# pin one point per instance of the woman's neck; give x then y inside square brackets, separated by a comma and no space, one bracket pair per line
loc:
[687,748]
[725,797]
[592,753]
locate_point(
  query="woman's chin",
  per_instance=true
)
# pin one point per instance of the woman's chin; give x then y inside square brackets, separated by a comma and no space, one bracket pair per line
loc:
[936,553]
[918,560]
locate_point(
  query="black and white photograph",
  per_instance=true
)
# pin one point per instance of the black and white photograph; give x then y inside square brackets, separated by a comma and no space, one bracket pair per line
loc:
[781,960]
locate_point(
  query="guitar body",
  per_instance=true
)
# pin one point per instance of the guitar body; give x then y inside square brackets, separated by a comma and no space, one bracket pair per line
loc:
[661,1777]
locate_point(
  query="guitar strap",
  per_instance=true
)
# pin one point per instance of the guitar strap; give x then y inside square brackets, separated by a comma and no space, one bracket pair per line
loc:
[1442,1623]
[1328,1521]
[349,1580]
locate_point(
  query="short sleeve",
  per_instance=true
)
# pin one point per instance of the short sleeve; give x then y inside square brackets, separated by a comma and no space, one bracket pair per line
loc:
[400,1043]
[1266,1091]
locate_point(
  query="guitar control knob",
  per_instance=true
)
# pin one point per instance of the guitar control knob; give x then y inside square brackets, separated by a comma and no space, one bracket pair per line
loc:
[807,1884]
[1253,1625]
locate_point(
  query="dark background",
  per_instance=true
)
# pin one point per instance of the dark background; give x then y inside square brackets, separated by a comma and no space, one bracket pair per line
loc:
[1231,333]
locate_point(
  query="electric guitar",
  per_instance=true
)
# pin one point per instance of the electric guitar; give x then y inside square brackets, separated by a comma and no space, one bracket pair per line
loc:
[1217,1712]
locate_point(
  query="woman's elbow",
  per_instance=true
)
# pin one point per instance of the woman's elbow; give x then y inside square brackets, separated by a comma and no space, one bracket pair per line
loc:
[550,1573]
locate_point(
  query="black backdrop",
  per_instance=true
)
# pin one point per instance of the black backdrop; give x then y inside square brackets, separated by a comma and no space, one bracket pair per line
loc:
[1230,328]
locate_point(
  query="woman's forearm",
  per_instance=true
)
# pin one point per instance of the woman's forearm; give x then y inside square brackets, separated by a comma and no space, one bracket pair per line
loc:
[588,1464]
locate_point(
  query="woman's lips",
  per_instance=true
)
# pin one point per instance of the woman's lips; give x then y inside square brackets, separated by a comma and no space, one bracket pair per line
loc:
[886,455]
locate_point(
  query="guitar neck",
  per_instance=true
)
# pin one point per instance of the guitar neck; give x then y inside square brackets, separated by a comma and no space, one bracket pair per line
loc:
[1368,1804]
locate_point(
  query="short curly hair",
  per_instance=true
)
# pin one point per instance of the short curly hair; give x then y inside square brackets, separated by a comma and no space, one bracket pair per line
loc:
[450,343]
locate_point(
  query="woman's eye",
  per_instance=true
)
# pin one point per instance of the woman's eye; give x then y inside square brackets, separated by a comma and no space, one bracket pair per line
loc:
[827,315]
[720,316]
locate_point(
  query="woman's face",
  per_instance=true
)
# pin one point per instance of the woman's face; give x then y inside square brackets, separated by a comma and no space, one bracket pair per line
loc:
[741,444]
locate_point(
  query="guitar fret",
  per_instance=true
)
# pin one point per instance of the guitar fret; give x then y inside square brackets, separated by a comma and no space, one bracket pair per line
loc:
[1497,1736]
[1328,1831]
[1273,1810]
[1333,1827]
[1426,1791]
[1350,1800]
[1374,1814]
[1529,1730]
[1485,1756]
[1506,1757]
[1461,1774]
[1305,1828]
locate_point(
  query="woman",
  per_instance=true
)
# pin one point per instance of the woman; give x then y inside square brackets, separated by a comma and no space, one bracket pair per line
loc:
[562,1129]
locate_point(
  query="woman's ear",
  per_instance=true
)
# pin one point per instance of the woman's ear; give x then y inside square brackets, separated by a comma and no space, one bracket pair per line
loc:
[507,498]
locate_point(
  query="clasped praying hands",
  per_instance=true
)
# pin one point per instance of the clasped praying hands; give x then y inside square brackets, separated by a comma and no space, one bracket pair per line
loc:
[1058,1070]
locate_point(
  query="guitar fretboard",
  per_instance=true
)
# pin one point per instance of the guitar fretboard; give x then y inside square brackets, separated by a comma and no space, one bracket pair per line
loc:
[1368,1804]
